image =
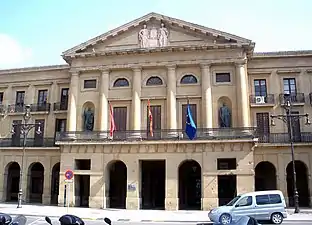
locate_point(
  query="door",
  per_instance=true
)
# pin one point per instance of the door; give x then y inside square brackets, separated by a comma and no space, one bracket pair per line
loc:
[60,126]
[42,100]
[244,207]
[156,123]
[16,136]
[263,126]
[19,101]
[64,98]
[120,117]
[39,137]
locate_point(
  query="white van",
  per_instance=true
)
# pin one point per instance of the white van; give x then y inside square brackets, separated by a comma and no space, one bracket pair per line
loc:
[261,205]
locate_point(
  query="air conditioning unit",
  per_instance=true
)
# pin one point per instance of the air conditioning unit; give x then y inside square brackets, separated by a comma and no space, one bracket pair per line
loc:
[260,100]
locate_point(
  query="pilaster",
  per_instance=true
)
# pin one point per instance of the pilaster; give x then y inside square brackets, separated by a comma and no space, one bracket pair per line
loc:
[133,200]
[172,179]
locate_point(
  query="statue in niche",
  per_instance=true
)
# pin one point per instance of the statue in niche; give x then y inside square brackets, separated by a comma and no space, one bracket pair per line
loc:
[88,117]
[225,116]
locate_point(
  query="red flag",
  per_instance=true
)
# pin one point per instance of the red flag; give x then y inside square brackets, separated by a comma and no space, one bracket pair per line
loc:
[150,118]
[112,121]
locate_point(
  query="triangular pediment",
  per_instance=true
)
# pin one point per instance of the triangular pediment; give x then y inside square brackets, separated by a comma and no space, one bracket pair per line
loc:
[155,30]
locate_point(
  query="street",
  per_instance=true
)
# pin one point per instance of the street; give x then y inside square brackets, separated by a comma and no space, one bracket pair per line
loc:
[31,220]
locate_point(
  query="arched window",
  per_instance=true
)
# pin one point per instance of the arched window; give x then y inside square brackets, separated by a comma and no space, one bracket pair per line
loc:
[188,79]
[121,82]
[152,81]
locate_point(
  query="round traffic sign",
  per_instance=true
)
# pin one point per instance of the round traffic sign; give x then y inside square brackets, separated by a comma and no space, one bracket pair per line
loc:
[69,174]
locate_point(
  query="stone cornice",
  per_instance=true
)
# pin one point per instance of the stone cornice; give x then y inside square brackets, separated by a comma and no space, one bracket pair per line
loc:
[34,69]
[281,54]
[141,51]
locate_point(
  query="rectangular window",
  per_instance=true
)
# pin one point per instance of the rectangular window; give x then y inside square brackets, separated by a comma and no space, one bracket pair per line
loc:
[226,164]
[156,113]
[1,97]
[223,77]
[262,199]
[260,87]
[64,98]
[42,97]
[120,117]
[290,86]
[89,84]
[39,136]
[16,135]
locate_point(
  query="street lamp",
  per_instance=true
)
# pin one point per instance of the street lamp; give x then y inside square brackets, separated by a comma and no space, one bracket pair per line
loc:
[25,128]
[288,119]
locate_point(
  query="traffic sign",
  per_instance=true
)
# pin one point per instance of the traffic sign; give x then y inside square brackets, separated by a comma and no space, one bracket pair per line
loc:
[69,174]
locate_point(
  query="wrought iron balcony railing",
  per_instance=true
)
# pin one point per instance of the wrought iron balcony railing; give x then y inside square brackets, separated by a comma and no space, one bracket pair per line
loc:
[296,98]
[131,135]
[30,142]
[16,108]
[60,106]
[40,107]
[303,137]
[260,100]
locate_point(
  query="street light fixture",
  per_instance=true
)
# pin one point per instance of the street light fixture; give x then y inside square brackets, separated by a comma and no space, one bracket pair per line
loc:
[25,128]
[288,119]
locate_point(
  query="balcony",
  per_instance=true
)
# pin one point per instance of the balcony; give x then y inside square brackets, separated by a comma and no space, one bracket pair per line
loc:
[283,138]
[30,142]
[256,101]
[41,107]
[295,98]
[159,135]
[60,106]
[16,108]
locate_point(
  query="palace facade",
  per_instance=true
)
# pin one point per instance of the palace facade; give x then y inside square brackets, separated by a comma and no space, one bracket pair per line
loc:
[169,62]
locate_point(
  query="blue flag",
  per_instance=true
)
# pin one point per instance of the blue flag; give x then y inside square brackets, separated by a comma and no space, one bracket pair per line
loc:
[190,128]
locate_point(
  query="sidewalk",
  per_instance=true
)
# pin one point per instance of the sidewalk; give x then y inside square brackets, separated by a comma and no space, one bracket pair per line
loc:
[125,215]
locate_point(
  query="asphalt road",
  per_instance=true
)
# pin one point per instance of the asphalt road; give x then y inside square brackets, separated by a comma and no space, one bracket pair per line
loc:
[41,221]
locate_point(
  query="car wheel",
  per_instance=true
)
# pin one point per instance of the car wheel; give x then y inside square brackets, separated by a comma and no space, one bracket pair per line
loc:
[277,218]
[225,218]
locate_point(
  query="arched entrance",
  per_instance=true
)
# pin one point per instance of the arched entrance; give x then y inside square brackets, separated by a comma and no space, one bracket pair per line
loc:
[55,178]
[265,176]
[117,184]
[12,182]
[35,182]
[302,183]
[190,185]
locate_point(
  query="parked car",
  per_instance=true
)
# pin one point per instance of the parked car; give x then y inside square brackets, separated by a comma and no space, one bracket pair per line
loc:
[261,205]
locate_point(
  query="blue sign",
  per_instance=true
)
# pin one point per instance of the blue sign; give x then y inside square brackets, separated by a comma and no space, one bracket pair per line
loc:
[69,174]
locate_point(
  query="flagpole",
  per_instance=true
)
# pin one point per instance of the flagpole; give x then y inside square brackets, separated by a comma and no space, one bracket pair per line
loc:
[188,101]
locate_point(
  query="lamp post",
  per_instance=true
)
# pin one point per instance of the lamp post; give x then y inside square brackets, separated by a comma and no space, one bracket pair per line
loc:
[288,119]
[25,128]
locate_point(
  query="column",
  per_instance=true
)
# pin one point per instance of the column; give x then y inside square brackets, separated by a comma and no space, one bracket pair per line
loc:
[206,96]
[136,100]
[73,95]
[103,112]
[171,99]
[244,93]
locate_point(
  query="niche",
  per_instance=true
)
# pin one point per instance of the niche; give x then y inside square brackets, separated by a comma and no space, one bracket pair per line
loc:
[224,112]
[88,110]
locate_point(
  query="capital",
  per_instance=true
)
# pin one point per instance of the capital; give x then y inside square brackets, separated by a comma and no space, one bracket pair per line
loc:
[74,72]
[137,69]
[205,65]
[171,66]
[241,62]
[104,70]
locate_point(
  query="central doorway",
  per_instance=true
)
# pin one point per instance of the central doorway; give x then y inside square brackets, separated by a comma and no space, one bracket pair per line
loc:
[82,190]
[153,184]
[226,188]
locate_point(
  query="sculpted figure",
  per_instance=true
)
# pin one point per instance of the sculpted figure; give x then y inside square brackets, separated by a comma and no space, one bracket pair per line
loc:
[143,37]
[88,120]
[225,116]
[163,36]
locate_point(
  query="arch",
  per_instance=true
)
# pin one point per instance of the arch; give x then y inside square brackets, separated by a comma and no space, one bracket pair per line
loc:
[225,101]
[189,79]
[117,184]
[302,183]
[12,177]
[55,178]
[35,182]
[189,185]
[88,111]
[121,82]
[265,176]
[154,81]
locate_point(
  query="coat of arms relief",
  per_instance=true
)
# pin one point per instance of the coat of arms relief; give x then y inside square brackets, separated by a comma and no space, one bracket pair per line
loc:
[153,37]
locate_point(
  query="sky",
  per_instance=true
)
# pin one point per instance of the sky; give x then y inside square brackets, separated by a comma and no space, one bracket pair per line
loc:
[36,32]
